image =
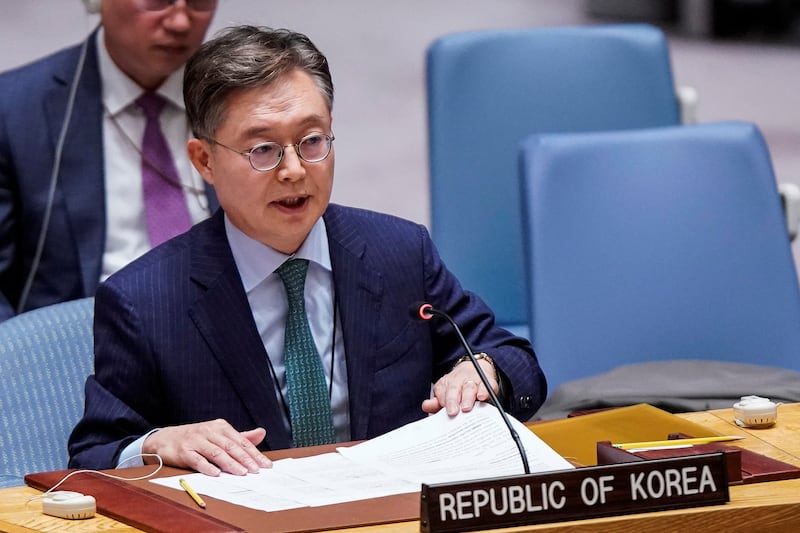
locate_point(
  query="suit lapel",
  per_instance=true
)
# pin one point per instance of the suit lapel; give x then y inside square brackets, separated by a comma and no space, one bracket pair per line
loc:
[359,289]
[222,315]
[81,187]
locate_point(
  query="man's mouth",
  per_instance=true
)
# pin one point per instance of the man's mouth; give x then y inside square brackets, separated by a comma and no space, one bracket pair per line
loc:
[293,202]
[172,49]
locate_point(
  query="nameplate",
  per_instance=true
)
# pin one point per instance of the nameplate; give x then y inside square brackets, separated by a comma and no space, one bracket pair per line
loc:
[589,492]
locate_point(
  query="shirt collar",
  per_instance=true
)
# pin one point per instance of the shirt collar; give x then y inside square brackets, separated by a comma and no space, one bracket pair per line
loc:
[120,91]
[256,261]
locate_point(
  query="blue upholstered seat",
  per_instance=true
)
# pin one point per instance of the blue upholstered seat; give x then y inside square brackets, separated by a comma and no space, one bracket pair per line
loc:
[486,91]
[657,244]
[45,356]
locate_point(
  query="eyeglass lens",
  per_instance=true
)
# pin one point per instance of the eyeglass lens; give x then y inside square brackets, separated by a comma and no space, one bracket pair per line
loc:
[311,149]
[194,5]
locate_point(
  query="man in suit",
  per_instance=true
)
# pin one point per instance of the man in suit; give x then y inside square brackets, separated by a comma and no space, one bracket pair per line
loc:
[194,343]
[71,202]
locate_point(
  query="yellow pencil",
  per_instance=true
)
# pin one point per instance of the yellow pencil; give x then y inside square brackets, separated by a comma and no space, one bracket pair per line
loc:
[675,442]
[190,491]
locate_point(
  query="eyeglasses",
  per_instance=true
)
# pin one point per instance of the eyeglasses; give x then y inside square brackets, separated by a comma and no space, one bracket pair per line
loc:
[266,156]
[193,5]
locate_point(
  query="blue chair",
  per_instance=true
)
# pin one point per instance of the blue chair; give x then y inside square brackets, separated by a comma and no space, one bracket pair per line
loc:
[45,356]
[657,244]
[486,91]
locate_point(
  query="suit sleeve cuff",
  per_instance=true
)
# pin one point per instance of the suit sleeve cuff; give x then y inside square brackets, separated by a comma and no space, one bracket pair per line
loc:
[132,453]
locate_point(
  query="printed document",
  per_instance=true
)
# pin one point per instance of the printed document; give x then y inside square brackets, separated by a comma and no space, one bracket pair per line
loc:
[436,449]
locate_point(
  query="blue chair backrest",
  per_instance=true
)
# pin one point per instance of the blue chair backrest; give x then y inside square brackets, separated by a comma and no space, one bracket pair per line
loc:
[665,243]
[45,356]
[486,91]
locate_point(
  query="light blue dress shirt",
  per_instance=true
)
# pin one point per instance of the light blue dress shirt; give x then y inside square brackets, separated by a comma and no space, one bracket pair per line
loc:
[266,294]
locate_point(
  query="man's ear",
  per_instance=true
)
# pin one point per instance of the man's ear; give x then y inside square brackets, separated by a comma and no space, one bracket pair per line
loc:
[199,151]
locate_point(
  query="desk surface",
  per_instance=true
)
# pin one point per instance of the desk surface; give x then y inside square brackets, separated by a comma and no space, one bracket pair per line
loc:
[759,506]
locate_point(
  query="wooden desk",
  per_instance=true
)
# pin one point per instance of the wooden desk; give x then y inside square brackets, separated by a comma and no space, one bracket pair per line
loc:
[761,506]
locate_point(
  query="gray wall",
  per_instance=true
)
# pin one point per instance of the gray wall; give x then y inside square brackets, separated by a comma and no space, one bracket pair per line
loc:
[376,50]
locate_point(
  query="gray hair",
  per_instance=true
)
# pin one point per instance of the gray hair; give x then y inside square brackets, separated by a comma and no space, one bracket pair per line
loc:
[246,57]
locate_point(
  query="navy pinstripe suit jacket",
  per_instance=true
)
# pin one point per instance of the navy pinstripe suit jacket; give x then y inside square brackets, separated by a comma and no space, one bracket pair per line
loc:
[175,340]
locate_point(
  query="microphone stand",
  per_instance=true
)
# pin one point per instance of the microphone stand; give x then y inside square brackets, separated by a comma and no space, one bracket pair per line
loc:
[427,308]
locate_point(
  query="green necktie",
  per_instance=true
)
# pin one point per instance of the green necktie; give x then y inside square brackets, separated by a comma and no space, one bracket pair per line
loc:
[309,403]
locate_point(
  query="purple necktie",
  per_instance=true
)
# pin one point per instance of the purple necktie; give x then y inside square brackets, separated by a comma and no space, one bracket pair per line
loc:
[164,203]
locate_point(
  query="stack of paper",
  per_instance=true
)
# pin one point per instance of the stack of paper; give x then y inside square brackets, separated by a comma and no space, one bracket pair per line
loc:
[436,449]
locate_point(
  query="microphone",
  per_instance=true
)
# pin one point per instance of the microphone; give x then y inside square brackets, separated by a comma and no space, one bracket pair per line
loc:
[425,311]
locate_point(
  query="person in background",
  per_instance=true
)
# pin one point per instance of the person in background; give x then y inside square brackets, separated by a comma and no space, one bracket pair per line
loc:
[283,319]
[93,166]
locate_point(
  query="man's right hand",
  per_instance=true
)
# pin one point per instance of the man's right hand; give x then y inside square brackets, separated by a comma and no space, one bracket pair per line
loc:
[209,447]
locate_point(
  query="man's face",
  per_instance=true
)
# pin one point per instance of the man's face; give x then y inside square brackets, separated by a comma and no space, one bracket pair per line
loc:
[277,207]
[148,46]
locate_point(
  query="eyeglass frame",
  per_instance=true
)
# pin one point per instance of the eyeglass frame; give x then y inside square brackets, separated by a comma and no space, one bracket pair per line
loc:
[248,153]
[171,3]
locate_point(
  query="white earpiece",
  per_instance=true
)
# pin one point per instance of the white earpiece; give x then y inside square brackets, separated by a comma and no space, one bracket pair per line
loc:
[69,505]
[92,6]
[755,412]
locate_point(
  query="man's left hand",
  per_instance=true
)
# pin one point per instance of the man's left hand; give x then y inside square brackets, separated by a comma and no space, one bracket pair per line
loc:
[461,388]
